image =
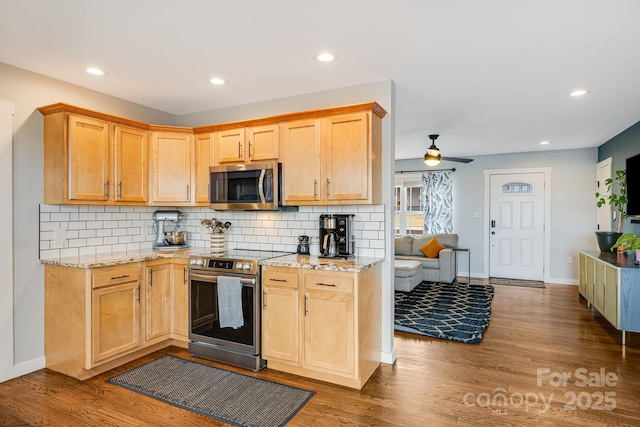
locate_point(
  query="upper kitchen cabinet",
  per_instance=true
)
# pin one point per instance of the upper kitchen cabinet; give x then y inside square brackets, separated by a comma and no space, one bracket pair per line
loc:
[172,166]
[248,144]
[92,158]
[205,149]
[333,159]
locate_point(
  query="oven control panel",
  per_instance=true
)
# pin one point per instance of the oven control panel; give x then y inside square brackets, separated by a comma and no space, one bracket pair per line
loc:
[224,265]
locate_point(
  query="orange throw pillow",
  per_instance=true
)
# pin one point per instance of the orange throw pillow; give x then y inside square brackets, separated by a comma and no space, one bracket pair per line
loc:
[432,248]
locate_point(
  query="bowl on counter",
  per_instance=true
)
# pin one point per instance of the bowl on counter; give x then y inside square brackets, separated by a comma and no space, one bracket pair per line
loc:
[175,237]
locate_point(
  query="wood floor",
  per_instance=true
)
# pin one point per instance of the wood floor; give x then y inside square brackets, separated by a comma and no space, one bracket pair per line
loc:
[513,377]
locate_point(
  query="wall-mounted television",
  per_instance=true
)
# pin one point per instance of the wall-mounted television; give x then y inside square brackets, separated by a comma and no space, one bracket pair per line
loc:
[633,185]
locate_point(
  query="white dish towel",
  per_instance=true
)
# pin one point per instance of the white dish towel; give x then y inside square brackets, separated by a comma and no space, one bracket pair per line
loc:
[230,302]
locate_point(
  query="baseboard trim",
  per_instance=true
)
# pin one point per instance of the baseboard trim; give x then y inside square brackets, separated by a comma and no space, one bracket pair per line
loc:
[24,368]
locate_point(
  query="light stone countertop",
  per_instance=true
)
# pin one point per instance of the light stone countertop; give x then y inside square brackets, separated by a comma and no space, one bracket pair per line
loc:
[316,263]
[117,258]
[292,261]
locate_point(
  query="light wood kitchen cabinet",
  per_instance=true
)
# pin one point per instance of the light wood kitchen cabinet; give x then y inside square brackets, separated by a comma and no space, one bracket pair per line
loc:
[180,300]
[92,160]
[336,329]
[157,301]
[280,305]
[115,320]
[248,144]
[99,318]
[131,166]
[205,148]
[332,160]
[172,168]
[329,322]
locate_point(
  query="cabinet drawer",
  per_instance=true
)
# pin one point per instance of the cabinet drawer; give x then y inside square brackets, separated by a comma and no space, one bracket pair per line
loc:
[114,275]
[284,277]
[328,282]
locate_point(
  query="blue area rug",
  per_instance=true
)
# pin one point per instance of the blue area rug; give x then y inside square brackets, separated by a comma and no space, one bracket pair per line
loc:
[456,312]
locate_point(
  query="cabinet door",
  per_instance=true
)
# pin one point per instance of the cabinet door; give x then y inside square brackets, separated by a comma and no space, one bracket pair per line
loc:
[204,160]
[583,274]
[329,333]
[264,143]
[115,320]
[131,165]
[171,168]
[231,145]
[598,286]
[180,301]
[301,162]
[346,161]
[280,323]
[590,274]
[89,163]
[611,295]
[157,297]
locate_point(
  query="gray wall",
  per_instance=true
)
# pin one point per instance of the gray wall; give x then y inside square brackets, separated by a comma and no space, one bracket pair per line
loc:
[28,91]
[572,204]
[625,144]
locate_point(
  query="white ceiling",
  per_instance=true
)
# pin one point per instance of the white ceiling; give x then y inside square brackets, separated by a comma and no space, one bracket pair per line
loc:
[490,76]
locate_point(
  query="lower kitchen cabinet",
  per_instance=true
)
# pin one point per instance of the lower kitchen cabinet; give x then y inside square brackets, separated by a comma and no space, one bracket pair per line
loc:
[99,318]
[322,324]
[157,301]
[179,300]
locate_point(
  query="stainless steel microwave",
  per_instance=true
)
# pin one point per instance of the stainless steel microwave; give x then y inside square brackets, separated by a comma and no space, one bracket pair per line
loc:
[250,186]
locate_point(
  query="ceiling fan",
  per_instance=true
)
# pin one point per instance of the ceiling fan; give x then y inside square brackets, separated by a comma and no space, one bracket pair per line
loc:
[432,157]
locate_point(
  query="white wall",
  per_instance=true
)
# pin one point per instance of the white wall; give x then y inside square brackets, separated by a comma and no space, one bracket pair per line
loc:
[572,204]
[6,248]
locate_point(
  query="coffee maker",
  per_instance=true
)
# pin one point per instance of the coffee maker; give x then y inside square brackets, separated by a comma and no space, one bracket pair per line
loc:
[336,236]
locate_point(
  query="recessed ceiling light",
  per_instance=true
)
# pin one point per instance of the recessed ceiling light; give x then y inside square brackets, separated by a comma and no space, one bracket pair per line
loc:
[545,142]
[325,57]
[217,81]
[95,71]
[579,92]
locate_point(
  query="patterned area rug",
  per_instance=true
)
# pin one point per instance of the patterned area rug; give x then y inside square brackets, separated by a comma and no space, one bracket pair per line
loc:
[224,395]
[456,312]
[516,282]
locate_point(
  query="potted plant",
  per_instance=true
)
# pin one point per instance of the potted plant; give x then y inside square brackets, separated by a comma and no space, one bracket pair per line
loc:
[606,239]
[628,242]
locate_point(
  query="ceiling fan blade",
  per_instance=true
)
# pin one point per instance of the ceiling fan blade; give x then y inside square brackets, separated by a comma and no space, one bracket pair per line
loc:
[457,159]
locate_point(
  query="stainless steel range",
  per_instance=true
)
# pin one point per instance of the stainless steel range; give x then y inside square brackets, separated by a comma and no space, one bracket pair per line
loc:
[225,302]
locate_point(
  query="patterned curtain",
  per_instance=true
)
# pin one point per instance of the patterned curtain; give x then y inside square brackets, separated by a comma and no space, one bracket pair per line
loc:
[437,193]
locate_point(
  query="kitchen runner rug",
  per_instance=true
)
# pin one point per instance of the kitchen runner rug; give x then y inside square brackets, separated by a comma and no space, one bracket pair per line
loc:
[456,312]
[227,396]
[516,282]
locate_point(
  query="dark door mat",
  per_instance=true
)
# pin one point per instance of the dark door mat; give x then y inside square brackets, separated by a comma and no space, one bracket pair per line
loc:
[227,396]
[516,282]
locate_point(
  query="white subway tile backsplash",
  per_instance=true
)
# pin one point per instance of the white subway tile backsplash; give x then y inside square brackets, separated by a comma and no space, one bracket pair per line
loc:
[88,229]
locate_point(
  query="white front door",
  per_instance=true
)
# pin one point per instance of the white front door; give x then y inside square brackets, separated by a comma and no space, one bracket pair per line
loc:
[516,226]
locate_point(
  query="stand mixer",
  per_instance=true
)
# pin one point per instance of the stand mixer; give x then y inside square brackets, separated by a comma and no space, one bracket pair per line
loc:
[173,239]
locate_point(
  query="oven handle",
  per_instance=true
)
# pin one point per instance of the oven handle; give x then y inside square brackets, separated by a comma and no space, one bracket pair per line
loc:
[214,278]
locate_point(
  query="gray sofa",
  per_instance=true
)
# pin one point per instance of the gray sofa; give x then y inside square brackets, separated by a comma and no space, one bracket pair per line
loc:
[442,269]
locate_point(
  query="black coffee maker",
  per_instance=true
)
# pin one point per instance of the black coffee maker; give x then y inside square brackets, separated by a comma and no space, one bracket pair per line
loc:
[336,236]
[303,245]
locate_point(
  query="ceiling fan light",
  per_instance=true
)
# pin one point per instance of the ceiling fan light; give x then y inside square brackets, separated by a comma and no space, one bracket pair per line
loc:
[432,157]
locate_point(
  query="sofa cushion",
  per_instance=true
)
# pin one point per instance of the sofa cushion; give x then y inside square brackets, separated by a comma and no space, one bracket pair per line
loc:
[403,245]
[432,248]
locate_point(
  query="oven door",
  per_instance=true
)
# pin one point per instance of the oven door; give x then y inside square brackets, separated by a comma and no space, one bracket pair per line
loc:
[204,314]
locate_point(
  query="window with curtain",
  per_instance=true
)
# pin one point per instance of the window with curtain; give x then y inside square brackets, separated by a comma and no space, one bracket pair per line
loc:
[409,217]
[437,200]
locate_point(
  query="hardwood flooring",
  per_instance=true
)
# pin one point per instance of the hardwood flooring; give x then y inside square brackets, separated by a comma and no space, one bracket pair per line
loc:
[513,377]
